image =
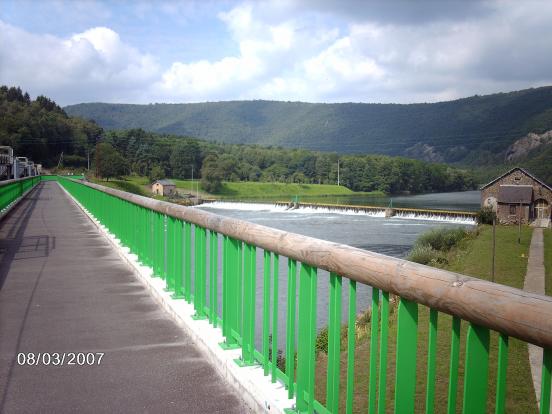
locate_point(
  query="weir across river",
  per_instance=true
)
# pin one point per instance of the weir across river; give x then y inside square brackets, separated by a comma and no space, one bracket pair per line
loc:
[466,216]
[66,290]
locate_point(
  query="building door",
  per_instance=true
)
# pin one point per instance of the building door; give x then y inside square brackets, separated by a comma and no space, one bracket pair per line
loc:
[541,209]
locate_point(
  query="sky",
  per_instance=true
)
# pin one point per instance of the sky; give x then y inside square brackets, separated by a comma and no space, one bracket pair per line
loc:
[394,51]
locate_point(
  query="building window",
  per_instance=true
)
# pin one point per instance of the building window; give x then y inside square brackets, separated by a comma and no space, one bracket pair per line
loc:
[512,209]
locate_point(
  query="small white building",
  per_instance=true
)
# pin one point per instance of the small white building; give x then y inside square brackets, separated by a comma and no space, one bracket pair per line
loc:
[163,187]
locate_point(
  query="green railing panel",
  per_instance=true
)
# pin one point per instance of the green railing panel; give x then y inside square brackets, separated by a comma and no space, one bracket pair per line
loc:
[188,261]
[158,241]
[384,331]
[213,279]
[407,345]
[266,310]
[454,361]
[545,381]
[248,336]
[276,259]
[230,276]
[239,292]
[170,255]
[200,260]
[179,260]
[476,370]
[11,192]
[351,335]
[431,361]
[374,334]
[164,247]
[334,344]
[306,339]
[290,326]
[501,374]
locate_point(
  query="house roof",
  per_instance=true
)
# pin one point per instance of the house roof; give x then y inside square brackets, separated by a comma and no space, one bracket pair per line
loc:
[523,171]
[164,182]
[515,194]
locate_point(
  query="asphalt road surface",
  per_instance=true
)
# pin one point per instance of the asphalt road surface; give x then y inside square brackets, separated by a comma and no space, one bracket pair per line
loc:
[105,346]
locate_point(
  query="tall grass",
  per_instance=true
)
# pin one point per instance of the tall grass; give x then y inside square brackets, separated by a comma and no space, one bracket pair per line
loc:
[432,246]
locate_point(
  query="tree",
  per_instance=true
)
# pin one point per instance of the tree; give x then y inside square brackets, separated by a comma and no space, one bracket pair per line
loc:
[211,177]
[185,156]
[156,173]
[108,162]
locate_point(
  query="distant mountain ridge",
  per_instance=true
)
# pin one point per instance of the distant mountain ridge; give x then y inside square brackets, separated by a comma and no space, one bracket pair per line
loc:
[475,130]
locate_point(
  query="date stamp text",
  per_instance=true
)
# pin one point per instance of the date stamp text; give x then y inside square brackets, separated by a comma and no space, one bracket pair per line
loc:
[60,358]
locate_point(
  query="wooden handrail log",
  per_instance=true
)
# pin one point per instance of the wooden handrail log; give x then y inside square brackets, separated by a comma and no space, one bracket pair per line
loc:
[517,313]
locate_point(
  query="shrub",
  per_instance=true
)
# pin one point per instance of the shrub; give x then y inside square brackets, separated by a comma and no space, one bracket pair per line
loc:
[485,216]
[425,254]
[441,239]
[322,341]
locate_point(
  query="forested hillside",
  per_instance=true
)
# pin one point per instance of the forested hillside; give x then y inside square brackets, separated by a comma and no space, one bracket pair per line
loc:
[40,130]
[475,130]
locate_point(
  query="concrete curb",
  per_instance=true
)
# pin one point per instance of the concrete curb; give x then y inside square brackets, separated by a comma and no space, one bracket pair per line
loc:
[253,387]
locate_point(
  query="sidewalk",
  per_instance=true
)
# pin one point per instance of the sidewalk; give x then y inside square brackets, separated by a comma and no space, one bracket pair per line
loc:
[534,283]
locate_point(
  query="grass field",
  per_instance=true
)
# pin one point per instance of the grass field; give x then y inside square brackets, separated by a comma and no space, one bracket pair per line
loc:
[548,260]
[258,190]
[238,190]
[471,257]
[130,186]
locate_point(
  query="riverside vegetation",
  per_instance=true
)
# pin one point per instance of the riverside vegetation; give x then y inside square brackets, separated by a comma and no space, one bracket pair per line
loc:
[235,190]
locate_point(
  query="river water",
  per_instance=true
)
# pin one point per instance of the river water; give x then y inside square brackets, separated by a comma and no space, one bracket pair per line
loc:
[463,201]
[393,236]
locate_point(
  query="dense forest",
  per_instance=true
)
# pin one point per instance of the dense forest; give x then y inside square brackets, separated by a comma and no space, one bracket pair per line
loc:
[157,155]
[473,131]
[41,130]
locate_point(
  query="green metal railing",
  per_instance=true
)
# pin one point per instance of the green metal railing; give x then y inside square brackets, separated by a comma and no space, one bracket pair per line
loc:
[190,250]
[12,190]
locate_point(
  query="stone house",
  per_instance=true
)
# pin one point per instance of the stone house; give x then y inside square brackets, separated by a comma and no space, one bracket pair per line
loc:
[163,187]
[518,195]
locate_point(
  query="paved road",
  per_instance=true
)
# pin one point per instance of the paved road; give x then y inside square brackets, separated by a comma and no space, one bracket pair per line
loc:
[63,289]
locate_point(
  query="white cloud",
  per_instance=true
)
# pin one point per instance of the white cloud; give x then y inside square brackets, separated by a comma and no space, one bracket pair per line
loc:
[312,51]
[93,65]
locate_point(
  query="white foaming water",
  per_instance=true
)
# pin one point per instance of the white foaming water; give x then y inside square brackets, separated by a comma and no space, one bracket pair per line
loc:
[230,205]
[273,208]
[437,217]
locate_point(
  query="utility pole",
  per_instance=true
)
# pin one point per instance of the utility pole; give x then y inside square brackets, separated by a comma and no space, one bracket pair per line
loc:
[494,249]
[519,224]
[338,172]
[88,158]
